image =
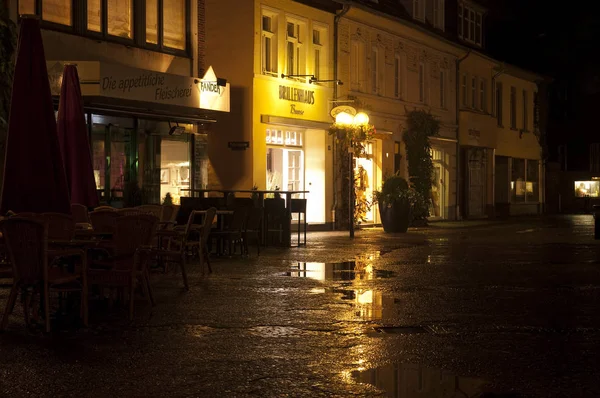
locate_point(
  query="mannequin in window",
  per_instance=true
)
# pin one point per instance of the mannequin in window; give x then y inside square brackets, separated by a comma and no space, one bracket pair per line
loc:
[361,186]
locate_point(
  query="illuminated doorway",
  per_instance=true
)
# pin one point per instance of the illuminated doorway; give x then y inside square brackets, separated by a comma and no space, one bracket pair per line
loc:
[364,175]
[285,161]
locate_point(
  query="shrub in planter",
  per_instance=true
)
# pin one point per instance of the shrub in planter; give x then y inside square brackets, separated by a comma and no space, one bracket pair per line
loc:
[395,204]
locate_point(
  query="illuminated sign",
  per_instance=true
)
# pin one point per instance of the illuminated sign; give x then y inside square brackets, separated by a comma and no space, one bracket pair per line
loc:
[297,95]
[124,82]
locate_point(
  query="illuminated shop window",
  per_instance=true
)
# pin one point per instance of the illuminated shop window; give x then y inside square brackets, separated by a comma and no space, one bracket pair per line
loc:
[174,25]
[524,184]
[94,15]
[26,7]
[113,20]
[585,189]
[152,21]
[120,18]
[57,11]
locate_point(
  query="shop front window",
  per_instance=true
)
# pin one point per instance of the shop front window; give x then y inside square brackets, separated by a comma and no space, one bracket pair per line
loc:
[584,189]
[144,159]
[525,179]
[164,161]
[532,181]
[517,182]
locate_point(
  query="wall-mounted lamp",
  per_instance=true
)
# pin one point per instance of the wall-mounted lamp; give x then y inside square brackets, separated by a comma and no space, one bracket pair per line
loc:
[315,80]
[176,130]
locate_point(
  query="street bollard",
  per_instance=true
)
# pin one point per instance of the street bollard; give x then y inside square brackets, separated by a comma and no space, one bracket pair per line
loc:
[596,213]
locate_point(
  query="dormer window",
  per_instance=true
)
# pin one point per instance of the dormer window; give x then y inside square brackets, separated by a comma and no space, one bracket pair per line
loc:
[470,23]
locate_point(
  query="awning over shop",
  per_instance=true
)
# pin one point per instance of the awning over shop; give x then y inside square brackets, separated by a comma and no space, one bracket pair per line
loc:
[121,89]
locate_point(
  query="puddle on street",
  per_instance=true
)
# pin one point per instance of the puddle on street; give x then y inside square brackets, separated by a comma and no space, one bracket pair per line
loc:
[410,380]
[342,271]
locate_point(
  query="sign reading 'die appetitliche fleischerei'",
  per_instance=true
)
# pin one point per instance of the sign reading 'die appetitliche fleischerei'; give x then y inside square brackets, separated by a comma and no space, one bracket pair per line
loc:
[144,85]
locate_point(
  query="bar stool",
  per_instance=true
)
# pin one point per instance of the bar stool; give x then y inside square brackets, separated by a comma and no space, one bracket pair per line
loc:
[299,206]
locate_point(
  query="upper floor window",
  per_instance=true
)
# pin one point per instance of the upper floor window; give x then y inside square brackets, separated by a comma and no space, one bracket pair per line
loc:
[525,115]
[470,24]
[398,75]
[473,92]
[513,108]
[421,82]
[55,11]
[295,60]
[439,14]
[269,43]
[482,95]
[357,57]
[499,100]
[463,89]
[319,42]
[114,20]
[374,69]
[318,48]
[419,10]
[442,88]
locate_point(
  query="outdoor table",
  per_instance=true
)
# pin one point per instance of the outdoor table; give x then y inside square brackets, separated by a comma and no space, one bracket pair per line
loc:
[287,228]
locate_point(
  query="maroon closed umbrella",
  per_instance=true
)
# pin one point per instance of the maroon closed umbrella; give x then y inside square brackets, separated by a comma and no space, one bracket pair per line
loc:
[73,140]
[34,176]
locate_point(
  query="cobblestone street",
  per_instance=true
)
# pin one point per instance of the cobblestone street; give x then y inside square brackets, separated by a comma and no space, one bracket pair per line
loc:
[462,308]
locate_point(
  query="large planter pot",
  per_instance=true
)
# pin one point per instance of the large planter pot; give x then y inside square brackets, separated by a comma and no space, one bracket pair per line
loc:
[395,216]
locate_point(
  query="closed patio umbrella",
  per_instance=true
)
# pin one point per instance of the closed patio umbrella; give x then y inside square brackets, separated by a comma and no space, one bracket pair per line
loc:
[74,143]
[34,176]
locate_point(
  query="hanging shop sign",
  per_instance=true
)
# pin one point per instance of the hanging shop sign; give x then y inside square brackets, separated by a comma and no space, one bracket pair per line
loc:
[124,82]
[238,145]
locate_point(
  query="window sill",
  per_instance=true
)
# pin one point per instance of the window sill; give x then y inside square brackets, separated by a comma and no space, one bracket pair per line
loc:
[514,129]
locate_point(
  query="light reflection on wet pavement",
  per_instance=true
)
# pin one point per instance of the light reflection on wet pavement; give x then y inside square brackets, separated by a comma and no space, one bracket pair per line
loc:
[404,380]
[496,310]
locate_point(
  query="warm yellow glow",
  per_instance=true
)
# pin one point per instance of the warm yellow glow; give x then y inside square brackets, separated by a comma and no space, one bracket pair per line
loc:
[344,118]
[365,297]
[361,118]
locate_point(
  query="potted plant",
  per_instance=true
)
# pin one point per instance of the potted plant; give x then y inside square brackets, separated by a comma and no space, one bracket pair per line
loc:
[395,203]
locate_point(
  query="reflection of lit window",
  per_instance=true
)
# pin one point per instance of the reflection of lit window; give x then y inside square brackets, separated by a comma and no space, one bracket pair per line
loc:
[587,189]
[365,297]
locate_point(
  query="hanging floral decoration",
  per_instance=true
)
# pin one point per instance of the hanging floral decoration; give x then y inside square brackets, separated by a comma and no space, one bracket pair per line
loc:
[356,135]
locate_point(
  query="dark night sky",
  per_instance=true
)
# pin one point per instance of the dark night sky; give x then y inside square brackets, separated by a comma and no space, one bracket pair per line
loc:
[548,37]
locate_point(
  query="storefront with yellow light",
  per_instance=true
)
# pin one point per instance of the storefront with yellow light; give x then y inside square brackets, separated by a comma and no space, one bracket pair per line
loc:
[292,150]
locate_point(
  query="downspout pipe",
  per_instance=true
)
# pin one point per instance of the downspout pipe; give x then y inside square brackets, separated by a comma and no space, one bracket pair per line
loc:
[457,214]
[336,22]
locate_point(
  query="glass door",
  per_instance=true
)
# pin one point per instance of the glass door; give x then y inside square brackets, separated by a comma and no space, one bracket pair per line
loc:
[114,157]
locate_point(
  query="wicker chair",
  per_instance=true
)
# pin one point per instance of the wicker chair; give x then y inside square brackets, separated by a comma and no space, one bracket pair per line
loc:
[104,221]
[155,210]
[80,214]
[27,246]
[128,264]
[129,211]
[185,242]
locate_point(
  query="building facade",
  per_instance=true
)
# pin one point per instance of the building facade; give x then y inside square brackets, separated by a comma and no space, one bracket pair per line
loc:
[390,67]
[146,110]
[269,51]
[501,167]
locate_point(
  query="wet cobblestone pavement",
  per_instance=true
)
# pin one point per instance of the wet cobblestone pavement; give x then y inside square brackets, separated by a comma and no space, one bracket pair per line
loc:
[455,309]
